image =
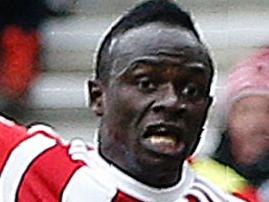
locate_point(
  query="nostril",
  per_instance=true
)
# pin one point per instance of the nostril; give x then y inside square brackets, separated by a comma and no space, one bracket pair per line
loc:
[158,108]
[182,108]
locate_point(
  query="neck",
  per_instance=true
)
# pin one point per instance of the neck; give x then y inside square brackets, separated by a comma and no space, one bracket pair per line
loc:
[160,174]
[133,187]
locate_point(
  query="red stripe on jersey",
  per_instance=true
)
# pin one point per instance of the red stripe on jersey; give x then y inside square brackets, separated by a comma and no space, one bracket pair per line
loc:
[122,197]
[48,175]
[10,138]
[192,198]
[248,193]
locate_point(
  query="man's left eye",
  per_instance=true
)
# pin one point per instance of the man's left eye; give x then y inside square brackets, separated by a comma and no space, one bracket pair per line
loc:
[146,84]
[190,90]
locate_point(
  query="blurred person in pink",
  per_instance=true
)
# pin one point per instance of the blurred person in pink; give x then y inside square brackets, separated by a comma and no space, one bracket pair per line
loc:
[243,153]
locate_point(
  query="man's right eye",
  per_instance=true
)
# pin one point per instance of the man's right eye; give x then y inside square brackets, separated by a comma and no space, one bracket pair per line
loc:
[146,84]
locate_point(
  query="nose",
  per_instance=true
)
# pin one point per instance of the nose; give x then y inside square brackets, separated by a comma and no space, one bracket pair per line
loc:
[170,101]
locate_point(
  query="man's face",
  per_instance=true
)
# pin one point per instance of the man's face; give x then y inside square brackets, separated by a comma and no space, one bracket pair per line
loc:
[249,128]
[156,101]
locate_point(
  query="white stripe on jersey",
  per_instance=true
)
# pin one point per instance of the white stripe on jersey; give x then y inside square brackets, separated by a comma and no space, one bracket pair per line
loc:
[7,122]
[88,185]
[18,162]
[210,192]
[1,195]
[39,127]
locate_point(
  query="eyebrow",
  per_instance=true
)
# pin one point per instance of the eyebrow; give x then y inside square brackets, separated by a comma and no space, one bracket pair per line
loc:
[147,60]
[198,67]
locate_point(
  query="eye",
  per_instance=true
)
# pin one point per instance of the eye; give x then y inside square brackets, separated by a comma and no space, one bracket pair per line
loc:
[146,84]
[190,90]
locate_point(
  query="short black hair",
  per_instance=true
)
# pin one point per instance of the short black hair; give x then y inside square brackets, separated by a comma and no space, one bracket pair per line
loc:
[150,11]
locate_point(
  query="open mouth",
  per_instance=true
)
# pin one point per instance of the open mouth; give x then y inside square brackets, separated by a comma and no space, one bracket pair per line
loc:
[163,139]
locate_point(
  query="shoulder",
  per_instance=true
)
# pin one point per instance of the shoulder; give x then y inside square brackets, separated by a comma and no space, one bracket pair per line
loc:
[11,135]
[204,190]
[219,174]
[17,141]
[33,159]
[216,180]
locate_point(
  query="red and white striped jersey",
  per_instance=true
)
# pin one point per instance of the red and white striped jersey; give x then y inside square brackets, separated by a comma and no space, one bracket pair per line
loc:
[36,166]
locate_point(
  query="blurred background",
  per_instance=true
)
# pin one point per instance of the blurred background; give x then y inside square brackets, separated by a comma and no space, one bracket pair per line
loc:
[232,29]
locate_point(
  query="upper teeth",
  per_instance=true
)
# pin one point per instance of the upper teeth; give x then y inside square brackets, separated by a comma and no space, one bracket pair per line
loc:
[162,139]
[162,129]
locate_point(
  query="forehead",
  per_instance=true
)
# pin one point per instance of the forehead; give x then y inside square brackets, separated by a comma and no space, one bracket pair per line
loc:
[155,40]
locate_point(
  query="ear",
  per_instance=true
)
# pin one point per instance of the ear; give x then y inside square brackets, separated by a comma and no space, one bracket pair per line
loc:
[96,97]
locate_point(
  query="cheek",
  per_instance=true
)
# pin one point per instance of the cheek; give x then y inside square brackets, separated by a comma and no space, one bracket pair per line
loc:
[240,127]
[127,104]
[198,114]
[250,124]
[195,123]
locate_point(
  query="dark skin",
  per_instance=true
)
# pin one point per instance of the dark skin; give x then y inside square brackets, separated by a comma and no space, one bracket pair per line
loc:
[155,103]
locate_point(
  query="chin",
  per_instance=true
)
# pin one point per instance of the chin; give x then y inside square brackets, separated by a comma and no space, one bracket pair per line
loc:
[157,157]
